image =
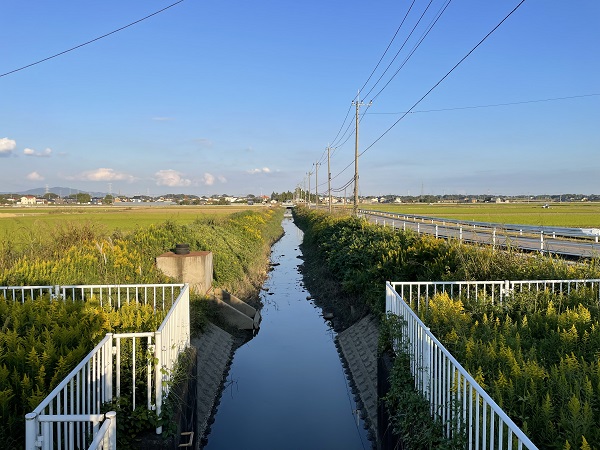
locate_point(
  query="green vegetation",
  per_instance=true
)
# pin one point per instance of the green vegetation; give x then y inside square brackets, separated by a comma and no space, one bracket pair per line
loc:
[578,215]
[537,355]
[18,224]
[363,256]
[41,341]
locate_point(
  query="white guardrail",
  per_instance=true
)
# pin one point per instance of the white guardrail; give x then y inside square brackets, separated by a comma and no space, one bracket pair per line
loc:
[582,233]
[454,396]
[70,416]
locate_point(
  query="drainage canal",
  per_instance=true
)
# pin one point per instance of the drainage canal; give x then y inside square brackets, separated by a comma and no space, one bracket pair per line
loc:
[286,388]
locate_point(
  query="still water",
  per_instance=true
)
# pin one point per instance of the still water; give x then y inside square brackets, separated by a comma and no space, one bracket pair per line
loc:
[286,388]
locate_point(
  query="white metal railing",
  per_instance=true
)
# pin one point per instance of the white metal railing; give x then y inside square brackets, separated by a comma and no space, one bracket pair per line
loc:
[21,293]
[58,422]
[496,291]
[454,395]
[160,296]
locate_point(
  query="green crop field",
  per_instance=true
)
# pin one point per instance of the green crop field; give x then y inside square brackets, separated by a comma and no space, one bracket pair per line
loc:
[23,220]
[579,215]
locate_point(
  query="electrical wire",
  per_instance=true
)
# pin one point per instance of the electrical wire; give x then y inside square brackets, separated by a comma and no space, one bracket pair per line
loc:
[401,48]
[444,77]
[389,45]
[343,139]
[439,15]
[494,105]
[89,42]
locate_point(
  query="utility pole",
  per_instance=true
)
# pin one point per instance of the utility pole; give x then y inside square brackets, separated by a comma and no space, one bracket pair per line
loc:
[358,104]
[309,175]
[317,184]
[329,176]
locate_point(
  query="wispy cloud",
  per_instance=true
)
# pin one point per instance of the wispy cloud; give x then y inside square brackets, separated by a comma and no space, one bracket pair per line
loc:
[103,174]
[6,147]
[43,154]
[203,143]
[35,176]
[171,178]
[255,171]
[162,119]
[208,179]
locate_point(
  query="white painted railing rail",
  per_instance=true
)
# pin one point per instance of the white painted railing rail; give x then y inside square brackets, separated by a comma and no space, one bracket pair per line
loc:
[495,291]
[58,421]
[454,396]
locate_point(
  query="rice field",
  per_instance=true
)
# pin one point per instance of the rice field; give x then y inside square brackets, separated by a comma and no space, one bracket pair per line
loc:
[577,215]
[14,220]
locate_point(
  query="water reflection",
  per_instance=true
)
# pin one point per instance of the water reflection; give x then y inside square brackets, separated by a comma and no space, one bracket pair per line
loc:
[286,388]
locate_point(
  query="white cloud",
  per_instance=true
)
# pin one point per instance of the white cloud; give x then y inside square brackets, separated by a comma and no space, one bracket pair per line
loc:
[7,146]
[103,174]
[171,178]
[208,179]
[34,176]
[255,171]
[43,154]
[222,179]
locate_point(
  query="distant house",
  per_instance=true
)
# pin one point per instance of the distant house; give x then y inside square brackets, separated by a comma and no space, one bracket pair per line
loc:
[28,200]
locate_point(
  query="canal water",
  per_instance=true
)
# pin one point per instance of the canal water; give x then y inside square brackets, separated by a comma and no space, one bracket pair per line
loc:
[286,388]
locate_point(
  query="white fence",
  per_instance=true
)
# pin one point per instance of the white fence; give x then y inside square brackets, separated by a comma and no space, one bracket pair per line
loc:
[495,291]
[454,396]
[69,417]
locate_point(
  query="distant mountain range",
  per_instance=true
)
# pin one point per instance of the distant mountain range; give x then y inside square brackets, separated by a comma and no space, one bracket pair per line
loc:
[61,191]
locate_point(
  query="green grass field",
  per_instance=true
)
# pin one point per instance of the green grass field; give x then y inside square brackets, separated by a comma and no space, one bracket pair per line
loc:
[22,221]
[578,215]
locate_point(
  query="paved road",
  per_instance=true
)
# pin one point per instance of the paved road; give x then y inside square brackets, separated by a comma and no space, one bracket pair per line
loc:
[542,242]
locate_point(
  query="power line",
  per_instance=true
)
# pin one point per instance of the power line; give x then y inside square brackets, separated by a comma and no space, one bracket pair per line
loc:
[389,45]
[89,42]
[494,105]
[444,77]
[401,48]
[438,16]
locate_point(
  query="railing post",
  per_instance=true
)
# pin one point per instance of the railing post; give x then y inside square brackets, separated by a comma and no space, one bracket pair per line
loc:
[460,233]
[158,387]
[31,426]
[436,231]
[108,368]
[418,228]
[110,439]
[426,363]
[542,241]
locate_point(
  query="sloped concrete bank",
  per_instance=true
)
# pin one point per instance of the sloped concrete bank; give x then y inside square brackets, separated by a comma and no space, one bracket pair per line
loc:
[357,346]
[214,353]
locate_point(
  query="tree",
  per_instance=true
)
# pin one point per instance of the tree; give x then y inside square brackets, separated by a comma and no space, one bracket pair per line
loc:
[81,197]
[108,200]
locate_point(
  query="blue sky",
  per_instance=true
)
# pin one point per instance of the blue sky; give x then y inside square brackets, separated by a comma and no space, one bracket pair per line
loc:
[237,97]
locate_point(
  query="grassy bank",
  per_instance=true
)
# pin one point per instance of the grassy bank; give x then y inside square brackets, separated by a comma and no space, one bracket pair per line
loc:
[537,356]
[42,341]
[362,256]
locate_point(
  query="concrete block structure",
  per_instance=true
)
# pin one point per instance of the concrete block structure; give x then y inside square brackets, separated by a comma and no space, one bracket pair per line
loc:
[195,268]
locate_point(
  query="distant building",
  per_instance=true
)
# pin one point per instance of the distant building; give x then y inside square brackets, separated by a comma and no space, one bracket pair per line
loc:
[28,200]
